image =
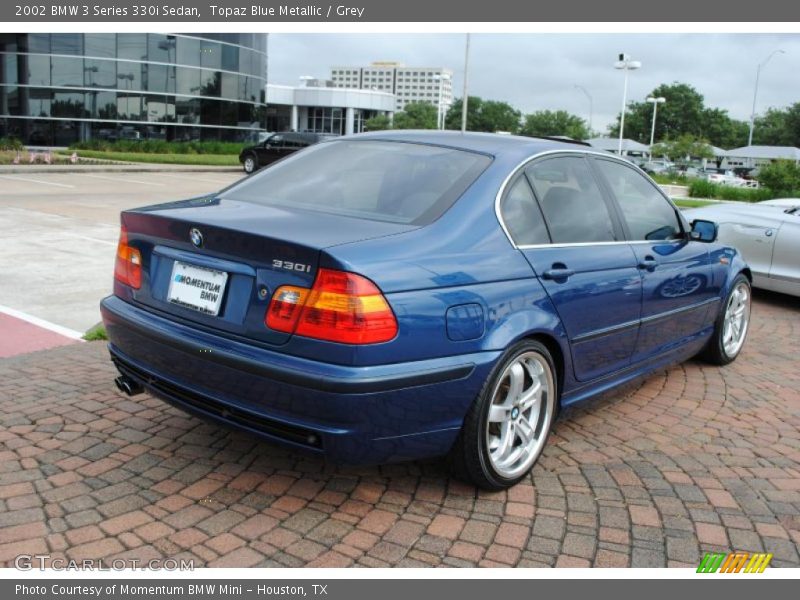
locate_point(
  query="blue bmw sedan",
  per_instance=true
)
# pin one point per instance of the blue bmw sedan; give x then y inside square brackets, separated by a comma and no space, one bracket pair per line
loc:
[397,295]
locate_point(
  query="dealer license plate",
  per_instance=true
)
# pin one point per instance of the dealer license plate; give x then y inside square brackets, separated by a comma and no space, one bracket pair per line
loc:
[198,288]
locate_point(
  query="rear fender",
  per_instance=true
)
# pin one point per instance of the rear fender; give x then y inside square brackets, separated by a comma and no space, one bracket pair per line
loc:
[539,320]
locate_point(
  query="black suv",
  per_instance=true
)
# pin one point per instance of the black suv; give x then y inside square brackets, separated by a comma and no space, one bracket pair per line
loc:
[276,146]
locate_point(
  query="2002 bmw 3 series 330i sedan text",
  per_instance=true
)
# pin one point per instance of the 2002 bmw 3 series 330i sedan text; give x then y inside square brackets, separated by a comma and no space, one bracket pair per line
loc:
[397,295]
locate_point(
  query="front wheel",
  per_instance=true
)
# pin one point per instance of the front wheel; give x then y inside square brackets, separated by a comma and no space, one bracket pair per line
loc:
[730,329]
[507,426]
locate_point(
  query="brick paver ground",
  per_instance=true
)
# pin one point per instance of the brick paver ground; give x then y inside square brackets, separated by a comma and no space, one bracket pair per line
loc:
[694,459]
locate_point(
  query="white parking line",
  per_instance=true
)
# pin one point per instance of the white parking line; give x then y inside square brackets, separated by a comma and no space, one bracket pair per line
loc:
[14,178]
[86,237]
[124,180]
[65,331]
[217,181]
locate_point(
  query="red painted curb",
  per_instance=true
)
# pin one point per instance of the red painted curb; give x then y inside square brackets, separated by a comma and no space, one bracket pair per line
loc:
[20,337]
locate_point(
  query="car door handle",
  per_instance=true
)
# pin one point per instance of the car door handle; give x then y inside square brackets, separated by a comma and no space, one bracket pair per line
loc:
[558,273]
[648,262]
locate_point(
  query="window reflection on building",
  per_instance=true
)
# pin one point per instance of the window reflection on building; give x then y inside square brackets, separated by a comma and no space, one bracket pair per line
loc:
[208,86]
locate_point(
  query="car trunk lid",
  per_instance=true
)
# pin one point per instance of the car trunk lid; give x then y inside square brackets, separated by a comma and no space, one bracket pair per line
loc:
[217,262]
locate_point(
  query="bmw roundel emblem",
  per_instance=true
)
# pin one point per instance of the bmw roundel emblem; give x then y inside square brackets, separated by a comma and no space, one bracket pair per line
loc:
[196,236]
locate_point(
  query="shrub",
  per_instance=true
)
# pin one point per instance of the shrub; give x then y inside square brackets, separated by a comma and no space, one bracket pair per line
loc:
[10,144]
[671,178]
[160,147]
[706,189]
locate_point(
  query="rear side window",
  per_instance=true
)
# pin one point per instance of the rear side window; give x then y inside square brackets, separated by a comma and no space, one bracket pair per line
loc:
[379,180]
[571,201]
[522,216]
[647,213]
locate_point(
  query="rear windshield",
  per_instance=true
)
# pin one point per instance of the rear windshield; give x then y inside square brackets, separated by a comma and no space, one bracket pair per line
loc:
[384,181]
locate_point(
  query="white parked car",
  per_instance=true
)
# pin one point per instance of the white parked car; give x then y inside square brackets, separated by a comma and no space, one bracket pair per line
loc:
[768,236]
[725,178]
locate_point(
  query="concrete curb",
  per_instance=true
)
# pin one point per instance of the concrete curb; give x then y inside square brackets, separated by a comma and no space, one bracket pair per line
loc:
[119,167]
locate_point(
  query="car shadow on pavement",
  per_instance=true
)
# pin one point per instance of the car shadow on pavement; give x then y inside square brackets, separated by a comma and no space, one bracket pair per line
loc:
[776,299]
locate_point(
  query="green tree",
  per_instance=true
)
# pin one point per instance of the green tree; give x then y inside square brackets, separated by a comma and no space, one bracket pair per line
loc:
[416,115]
[778,127]
[681,113]
[723,131]
[782,177]
[378,123]
[683,148]
[684,112]
[484,115]
[552,123]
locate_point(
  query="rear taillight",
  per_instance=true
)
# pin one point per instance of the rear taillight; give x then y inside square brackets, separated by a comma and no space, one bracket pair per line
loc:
[340,307]
[128,266]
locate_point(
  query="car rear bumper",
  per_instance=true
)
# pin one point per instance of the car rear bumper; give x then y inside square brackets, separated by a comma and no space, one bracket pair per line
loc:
[352,415]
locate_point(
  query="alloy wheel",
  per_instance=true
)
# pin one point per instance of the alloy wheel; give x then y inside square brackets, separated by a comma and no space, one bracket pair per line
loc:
[519,414]
[737,318]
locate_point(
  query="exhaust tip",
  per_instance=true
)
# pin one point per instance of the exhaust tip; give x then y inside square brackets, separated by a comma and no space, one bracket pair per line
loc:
[128,386]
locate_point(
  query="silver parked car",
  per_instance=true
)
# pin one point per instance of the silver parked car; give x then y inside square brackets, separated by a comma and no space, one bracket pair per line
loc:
[784,202]
[767,235]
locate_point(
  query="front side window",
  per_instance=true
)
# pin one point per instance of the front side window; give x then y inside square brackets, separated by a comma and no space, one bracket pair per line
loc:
[571,200]
[648,214]
[522,216]
[378,180]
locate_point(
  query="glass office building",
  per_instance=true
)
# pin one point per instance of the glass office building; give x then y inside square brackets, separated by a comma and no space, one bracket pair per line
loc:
[59,88]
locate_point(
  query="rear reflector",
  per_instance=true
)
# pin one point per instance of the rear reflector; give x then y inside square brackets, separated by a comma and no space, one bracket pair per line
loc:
[128,266]
[340,307]
[285,308]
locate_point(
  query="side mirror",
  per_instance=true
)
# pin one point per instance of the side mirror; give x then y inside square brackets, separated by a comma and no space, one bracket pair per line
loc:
[704,231]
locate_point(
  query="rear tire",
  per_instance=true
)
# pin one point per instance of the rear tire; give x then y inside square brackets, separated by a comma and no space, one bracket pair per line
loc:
[250,164]
[507,425]
[730,328]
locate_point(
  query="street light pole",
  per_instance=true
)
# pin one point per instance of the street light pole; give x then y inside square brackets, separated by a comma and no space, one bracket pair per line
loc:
[656,102]
[465,99]
[591,105]
[626,64]
[439,112]
[755,94]
[444,77]
[439,108]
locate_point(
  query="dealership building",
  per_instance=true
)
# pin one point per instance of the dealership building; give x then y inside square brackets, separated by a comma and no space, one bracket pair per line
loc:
[320,108]
[750,157]
[59,88]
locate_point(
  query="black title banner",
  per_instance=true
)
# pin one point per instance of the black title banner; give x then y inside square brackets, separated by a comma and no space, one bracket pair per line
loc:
[24,11]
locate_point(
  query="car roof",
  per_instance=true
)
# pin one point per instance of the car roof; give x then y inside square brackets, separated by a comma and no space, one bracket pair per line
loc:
[488,143]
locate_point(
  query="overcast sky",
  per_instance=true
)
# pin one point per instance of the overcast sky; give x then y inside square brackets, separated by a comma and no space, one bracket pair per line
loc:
[539,71]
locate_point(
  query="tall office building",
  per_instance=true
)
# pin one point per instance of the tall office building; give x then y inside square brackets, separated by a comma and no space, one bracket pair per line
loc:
[409,84]
[58,88]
